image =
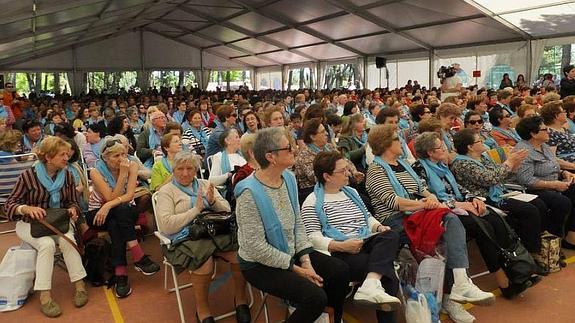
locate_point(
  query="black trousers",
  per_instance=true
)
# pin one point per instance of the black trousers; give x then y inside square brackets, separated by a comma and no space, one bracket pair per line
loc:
[120,224]
[496,229]
[526,219]
[376,255]
[309,299]
[560,205]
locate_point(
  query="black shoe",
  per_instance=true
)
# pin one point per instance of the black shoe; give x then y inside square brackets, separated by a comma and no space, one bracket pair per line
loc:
[146,266]
[535,279]
[243,314]
[514,289]
[540,270]
[567,245]
[209,319]
[122,287]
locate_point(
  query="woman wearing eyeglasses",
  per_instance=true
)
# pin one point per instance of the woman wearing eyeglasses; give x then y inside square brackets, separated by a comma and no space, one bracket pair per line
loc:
[275,254]
[111,207]
[474,121]
[542,173]
[339,224]
[442,183]
[393,187]
[502,132]
[555,118]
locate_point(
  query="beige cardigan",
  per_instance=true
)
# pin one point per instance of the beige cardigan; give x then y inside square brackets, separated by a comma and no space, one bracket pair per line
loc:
[174,207]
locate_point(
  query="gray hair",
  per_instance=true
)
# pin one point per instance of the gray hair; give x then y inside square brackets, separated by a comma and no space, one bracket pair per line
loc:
[424,143]
[132,110]
[187,157]
[267,140]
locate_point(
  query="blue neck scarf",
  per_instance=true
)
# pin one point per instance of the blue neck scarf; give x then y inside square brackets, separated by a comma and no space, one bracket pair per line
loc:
[3,112]
[510,133]
[28,145]
[404,148]
[397,187]
[200,135]
[96,147]
[192,192]
[316,149]
[105,172]
[495,191]
[272,225]
[447,140]
[154,139]
[571,126]
[205,118]
[361,141]
[52,186]
[488,141]
[186,125]
[435,172]
[326,228]
[51,128]
[178,116]
[166,164]
[225,162]
[75,173]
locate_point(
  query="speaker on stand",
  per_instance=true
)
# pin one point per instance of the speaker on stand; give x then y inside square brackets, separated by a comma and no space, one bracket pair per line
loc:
[381,62]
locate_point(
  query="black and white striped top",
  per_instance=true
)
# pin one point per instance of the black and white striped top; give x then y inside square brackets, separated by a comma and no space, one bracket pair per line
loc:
[342,213]
[194,143]
[381,192]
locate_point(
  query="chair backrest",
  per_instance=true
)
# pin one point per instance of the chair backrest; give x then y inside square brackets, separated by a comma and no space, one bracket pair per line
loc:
[154,201]
[10,169]
[209,163]
[499,154]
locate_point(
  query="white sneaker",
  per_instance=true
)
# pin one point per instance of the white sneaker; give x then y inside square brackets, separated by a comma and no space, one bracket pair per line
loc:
[456,312]
[469,293]
[372,294]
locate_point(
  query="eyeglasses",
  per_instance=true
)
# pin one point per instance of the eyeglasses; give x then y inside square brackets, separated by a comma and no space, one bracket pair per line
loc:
[288,148]
[346,169]
[542,129]
[235,115]
[478,141]
[474,122]
[442,147]
[161,118]
[395,138]
[505,116]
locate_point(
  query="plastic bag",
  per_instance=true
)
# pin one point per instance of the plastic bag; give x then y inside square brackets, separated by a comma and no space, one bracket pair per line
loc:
[17,272]
[417,311]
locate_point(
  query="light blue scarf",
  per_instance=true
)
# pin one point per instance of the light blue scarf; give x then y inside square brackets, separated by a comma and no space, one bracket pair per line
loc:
[28,144]
[154,140]
[447,140]
[495,191]
[166,164]
[330,231]
[186,125]
[52,186]
[273,228]
[200,135]
[361,141]
[105,172]
[96,147]
[571,126]
[397,187]
[178,116]
[75,173]
[225,162]
[511,133]
[404,148]
[192,193]
[435,172]
[316,149]
[3,112]
[489,142]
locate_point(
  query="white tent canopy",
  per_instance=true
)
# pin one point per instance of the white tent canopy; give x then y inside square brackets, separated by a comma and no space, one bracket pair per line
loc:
[270,36]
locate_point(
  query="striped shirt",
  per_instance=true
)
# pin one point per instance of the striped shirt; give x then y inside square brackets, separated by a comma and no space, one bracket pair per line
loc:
[29,191]
[341,212]
[381,192]
[194,143]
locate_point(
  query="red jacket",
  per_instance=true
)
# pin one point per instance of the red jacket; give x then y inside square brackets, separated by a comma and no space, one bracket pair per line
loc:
[424,229]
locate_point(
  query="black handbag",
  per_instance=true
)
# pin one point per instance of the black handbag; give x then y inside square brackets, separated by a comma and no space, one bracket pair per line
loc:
[515,261]
[58,218]
[209,224]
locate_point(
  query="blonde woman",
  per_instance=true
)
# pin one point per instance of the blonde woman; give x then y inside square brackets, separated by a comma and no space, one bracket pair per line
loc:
[48,185]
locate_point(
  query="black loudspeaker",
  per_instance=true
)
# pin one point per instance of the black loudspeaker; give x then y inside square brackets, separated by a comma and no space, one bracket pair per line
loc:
[380,62]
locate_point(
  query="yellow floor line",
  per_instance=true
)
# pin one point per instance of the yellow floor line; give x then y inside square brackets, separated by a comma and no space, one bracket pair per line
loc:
[114,308]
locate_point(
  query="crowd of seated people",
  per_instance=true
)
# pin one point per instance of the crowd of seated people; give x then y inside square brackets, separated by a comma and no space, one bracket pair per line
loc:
[322,184]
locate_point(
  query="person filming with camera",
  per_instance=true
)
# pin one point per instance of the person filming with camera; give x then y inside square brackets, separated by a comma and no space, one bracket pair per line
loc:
[450,83]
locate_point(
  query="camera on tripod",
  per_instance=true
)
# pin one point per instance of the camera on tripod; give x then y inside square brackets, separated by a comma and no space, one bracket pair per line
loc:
[445,72]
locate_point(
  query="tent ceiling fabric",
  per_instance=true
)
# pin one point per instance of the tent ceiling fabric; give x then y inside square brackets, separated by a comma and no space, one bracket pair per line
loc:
[274,32]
